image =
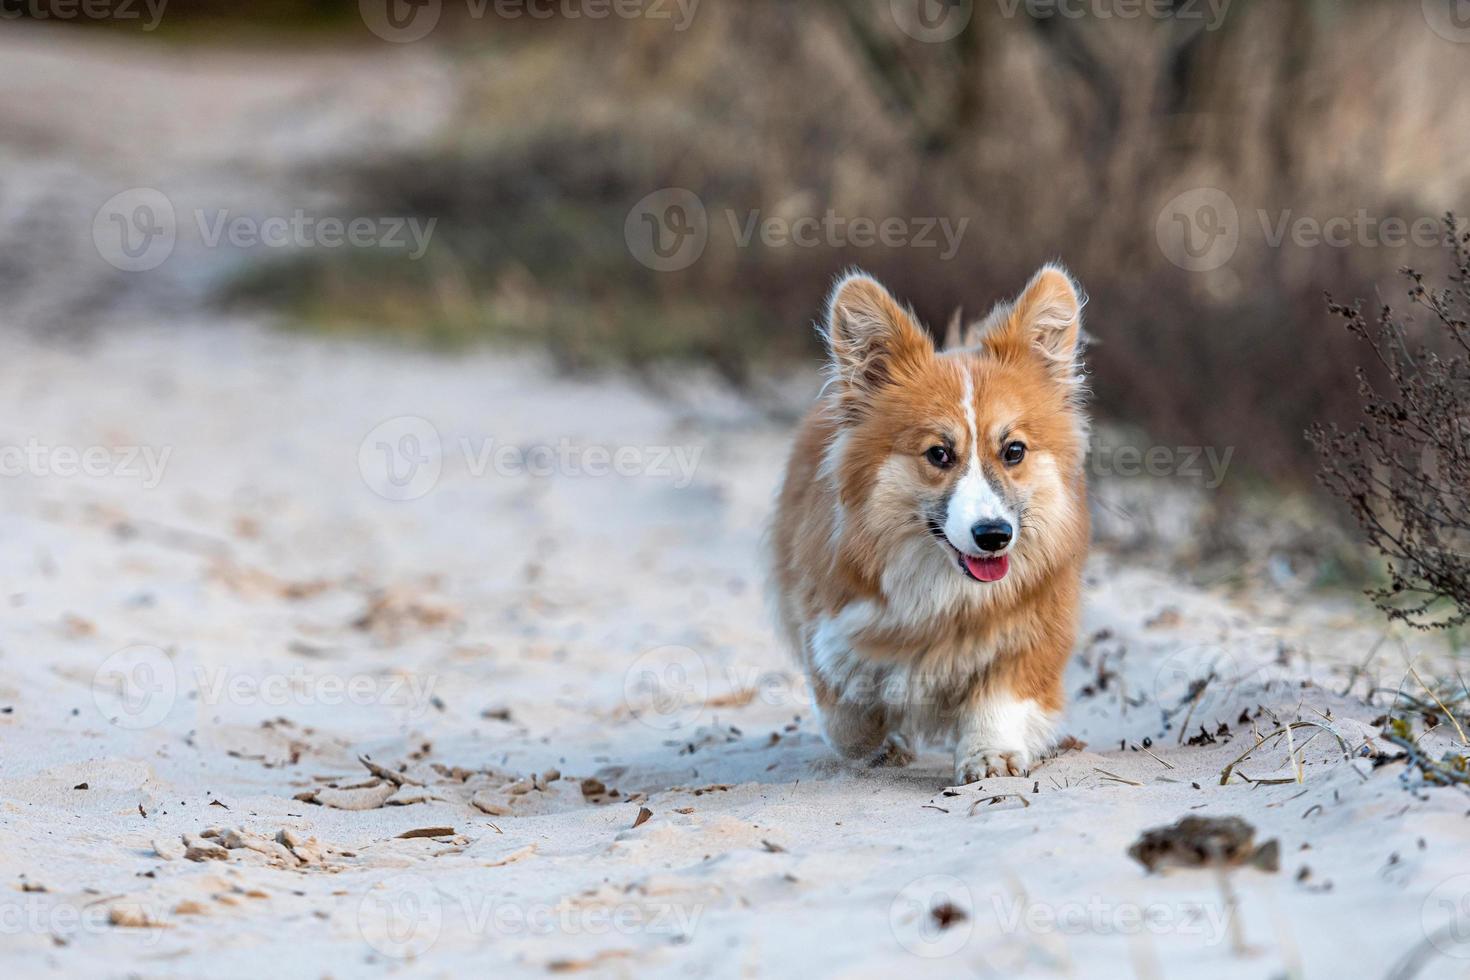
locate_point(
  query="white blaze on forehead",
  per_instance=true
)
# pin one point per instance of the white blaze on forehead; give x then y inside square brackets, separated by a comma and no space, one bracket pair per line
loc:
[974,499]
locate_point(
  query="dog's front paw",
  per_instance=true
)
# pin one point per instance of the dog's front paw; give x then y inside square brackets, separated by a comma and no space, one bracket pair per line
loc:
[896,751]
[984,763]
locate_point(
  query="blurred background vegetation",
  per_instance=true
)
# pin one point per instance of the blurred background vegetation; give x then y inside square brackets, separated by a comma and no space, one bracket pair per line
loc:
[1054,136]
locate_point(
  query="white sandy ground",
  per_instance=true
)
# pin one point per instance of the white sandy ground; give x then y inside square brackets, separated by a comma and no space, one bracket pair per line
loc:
[612,627]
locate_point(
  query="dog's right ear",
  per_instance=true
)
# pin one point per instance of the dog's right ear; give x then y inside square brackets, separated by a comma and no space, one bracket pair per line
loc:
[873,340]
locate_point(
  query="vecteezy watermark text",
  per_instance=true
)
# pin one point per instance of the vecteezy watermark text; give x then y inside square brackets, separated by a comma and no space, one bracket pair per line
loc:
[45,914]
[137,230]
[299,687]
[1363,229]
[1201,229]
[146,464]
[1205,464]
[403,917]
[403,21]
[832,230]
[1101,916]
[302,230]
[669,229]
[937,916]
[150,12]
[1210,13]
[404,457]
[566,458]
[137,687]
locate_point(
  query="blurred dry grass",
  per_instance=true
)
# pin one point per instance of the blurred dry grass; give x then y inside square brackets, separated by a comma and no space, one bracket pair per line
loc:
[528,141]
[1057,137]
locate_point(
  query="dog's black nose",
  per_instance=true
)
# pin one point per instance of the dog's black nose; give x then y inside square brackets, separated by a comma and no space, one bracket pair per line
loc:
[991,535]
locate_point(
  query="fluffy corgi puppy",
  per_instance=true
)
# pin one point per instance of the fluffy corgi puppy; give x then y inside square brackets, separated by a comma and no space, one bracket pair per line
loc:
[930,535]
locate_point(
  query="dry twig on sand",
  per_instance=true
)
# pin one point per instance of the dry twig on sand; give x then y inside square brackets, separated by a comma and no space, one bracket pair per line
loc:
[1452,770]
[1447,712]
[1115,778]
[992,800]
[1286,730]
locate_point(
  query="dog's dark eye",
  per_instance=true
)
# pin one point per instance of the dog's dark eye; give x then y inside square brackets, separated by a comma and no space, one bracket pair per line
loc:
[940,456]
[1013,453]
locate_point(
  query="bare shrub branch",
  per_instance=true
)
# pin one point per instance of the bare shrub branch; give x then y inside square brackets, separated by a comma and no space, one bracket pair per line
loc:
[1404,472]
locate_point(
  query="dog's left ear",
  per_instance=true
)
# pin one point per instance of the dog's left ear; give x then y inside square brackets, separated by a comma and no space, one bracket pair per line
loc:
[1046,319]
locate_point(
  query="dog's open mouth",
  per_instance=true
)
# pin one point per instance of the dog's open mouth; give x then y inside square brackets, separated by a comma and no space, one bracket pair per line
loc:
[985,569]
[978,567]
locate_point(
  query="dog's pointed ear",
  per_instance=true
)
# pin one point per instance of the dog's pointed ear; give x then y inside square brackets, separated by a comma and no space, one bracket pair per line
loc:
[1045,320]
[874,340]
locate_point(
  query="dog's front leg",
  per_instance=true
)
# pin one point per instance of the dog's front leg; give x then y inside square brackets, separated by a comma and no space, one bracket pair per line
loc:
[865,732]
[860,704]
[999,734]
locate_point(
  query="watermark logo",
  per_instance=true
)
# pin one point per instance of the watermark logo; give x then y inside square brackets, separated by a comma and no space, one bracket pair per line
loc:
[1445,916]
[667,230]
[1450,19]
[135,687]
[402,918]
[135,230]
[1199,229]
[933,916]
[402,458]
[667,688]
[400,21]
[932,21]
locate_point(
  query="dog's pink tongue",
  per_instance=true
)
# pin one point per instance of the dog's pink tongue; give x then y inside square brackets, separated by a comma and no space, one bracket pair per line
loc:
[988,569]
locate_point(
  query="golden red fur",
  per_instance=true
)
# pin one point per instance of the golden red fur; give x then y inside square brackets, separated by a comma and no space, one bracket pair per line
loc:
[885,583]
